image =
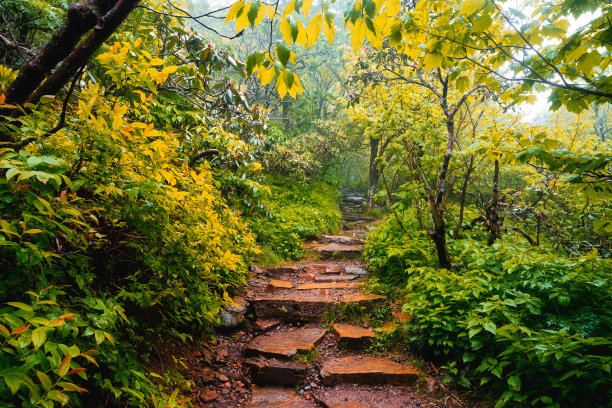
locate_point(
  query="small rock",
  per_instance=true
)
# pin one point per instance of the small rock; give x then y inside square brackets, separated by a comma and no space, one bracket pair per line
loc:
[208,396]
[233,315]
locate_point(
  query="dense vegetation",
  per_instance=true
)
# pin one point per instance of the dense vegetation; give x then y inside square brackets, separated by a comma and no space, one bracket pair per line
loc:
[150,153]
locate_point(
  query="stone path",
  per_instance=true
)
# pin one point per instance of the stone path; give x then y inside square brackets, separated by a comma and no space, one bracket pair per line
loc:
[293,359]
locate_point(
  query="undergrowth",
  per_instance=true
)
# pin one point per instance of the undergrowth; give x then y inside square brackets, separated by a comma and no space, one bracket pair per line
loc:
[296,209]
[526,323]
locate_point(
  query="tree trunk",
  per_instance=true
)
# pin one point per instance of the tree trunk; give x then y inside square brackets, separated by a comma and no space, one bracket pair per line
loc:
[466,180]
[374,172]
[494,218]
[37,77]
[437,232]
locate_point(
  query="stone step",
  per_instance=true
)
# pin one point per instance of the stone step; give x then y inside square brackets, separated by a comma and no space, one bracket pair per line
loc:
[275,271]
[338,251]
[353,218]
[304,306]
[329,285]
[339,239]
[291,307]
[273,371]
[351,336]
[367,370]
[285,344]
[334,278]
[273,397]
[276,284]
[263,325]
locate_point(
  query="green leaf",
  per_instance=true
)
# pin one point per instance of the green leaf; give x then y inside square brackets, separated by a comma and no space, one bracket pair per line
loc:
[13,382]
[282,52]
[20,305]
[490,327]
[44,380]
[39,336]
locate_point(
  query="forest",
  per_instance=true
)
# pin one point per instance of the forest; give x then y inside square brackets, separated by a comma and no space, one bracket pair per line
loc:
[159,159]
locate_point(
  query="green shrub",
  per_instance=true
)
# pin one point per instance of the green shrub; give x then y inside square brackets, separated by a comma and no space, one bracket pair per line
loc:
[534,326]
[296,210]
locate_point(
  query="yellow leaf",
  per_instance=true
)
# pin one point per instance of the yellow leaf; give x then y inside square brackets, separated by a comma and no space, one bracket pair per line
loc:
[302,38]
[281,87]
[233,10]
[469,7]
[329,29]
[394,6]
[260,15]
[432,60]
[306,5]
[170,69]
[358,32]
[289,8]
[242,19]
[267,75]
[374,37]
[313,30]
[271,11]
[562,24]
[285,29]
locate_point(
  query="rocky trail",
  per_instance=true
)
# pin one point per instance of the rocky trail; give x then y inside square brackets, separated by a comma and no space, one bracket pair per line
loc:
[289,352]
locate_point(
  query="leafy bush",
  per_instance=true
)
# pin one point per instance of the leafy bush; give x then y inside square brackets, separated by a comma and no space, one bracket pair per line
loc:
[532,325]
[296,209]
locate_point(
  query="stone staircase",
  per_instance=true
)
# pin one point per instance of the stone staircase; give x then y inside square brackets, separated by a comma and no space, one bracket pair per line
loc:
[291,348]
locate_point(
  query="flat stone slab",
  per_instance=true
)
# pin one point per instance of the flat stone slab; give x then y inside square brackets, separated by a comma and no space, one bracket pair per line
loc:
[329,285]
[360,297]
[292,306]
[367,370]
[337,251]
[266,324]
[339,248]
[352,336]
[339,239]
[286,344]
[333,269]
[279,284]
[315,268]
[272,397]
[282,269]
[355,270]
[276,372]
[334,278]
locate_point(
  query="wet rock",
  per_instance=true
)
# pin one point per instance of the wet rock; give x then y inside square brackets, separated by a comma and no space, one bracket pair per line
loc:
[265,325]
[208,396]
[271,397]
[339,239]
[328,285]
[334,278]
[233,315]
[367,370]
[274,271]
[279,284]
[355,270]
[276,372]
[354,337]
[361,298]
[328,251]
[286,344]
[292,306]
